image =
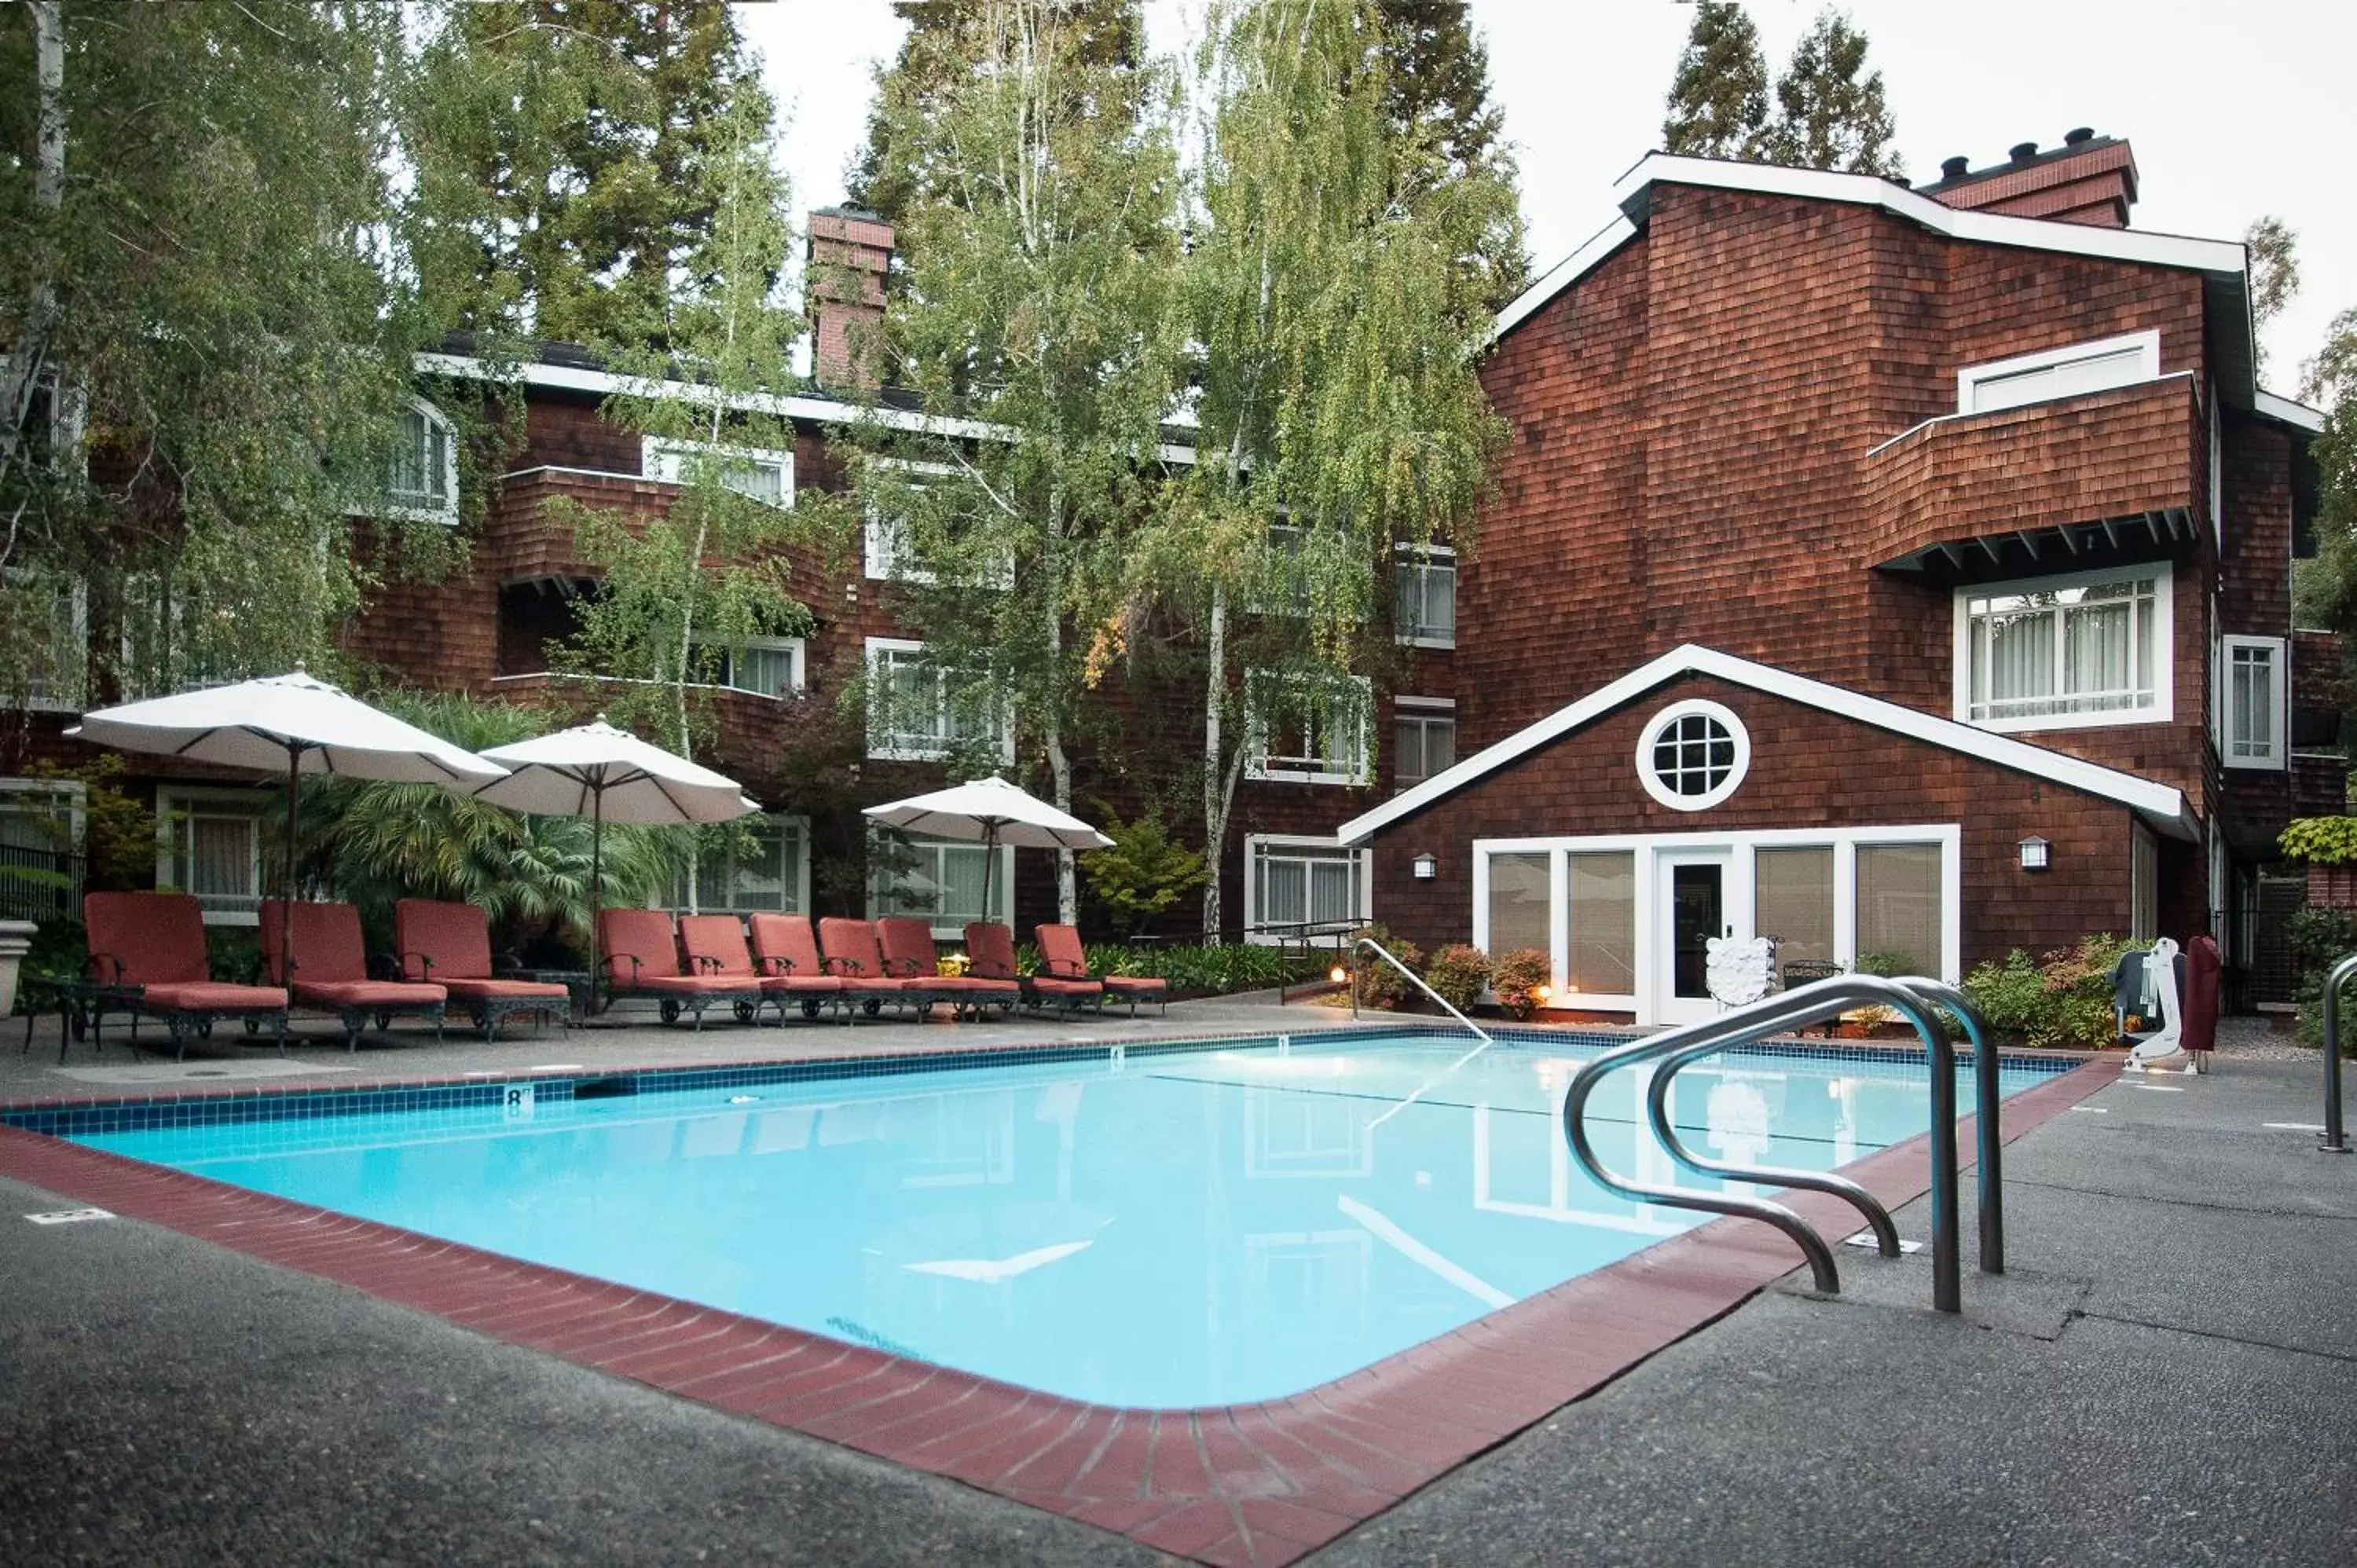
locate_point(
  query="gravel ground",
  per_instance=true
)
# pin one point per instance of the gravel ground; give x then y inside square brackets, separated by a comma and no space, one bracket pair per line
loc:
[2254,1037]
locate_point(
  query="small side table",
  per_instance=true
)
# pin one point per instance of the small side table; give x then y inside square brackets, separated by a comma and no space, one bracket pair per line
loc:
[81,1006]
[575,981]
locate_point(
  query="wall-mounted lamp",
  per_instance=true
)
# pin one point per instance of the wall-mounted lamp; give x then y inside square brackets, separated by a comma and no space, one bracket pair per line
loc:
[1427,866]
[2035,854]
[1338,975]
[1542,995]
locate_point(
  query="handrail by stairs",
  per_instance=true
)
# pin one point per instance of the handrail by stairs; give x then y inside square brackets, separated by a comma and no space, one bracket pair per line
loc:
[1914,999]
[1413,978]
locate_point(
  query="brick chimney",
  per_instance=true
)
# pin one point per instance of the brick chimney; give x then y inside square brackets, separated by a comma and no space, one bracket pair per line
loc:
[2087,180]
[850,252]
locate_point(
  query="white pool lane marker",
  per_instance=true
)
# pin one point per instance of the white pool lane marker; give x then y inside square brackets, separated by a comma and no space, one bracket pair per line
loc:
[69,1215]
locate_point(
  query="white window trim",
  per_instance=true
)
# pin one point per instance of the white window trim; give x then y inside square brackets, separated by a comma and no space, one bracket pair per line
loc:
[2281,649]
[2146,343]
[1426,708]
[1002,897]
[1739,893]
[1256,737]
[1694,708]
[446,513]
[1426,557]
[66,793]
[802,888]
[883,561]
[2162,709]
[171,800]
[880,645]
[793,645]
[1255,843]
[660,461]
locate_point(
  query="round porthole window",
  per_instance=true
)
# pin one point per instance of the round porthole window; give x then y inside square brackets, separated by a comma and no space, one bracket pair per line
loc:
[1693,755]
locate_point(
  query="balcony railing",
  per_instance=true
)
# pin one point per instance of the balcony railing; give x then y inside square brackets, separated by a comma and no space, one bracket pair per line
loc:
[2041,486]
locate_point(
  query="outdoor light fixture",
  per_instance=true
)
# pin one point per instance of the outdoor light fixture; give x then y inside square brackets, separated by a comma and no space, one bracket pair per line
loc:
[1338,975]
[1542,995]
[2034,853]
[1427,866]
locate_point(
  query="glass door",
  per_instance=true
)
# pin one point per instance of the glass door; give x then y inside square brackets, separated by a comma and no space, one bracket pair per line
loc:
[1692,905]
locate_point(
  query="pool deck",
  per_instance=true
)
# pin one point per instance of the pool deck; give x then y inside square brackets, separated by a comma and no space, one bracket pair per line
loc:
[2167,1373]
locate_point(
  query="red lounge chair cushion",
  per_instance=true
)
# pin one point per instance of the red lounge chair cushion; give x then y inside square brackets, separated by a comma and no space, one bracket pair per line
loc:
[783,944]
[852,952]
[907,949]
[211,996]
[974,985]
[801,985]
[328,947]
[1060,953]
[990,950]
[159,938]
[1134,984]
[638,945]
[454,938]
[690,984]
[494,990]
[714,944]
[382,994]
[1047,986]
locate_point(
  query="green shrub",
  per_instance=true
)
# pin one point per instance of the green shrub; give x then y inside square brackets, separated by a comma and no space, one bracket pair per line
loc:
[2320,841]
[1377,983]
[1143,874]
[2318,939]
[2061,1001]
[1517,978]
[1458,973]
[1217,972]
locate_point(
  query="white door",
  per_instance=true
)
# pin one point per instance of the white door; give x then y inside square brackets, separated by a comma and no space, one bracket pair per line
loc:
[1691,906]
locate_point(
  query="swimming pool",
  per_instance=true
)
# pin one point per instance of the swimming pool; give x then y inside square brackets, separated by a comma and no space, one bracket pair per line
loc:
[1179,1226]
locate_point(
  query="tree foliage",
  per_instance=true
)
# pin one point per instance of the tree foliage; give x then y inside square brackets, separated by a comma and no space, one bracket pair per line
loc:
[1719,98]
[1332,337]
[1145,872]
[567,150]
[2275,272]
[1830,109]
[209,325]
[1441,109]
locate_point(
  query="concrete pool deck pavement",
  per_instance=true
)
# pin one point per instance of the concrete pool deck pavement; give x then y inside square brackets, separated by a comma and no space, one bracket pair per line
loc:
[154,1375]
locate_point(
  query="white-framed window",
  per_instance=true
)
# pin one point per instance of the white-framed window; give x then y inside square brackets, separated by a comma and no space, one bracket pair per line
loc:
[767,666]
[2059,372]
[53,613]
[1423,584]
[757,472]
[1297,886]
[919,709]
[2252,702]
[40,848]
[421,479]
[1424,739]
[888,553]
[1302,730]
[762,866]
[169,646]
[210,846]
[940,883]
[2090,647]
[1693,755]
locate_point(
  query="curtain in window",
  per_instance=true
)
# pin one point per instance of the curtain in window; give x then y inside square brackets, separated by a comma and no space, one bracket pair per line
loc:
[1603,954]
[1284,897]
[1899,914]
[768,671]
[1332,890]
[2020,665]
[1793,900]
[2099,654]
[218,858]
[1521,890]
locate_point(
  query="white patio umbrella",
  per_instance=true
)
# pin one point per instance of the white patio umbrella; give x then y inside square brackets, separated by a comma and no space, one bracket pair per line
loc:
[995,812]
[598,771]
[289,722]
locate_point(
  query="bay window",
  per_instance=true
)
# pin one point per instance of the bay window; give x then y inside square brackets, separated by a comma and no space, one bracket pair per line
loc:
[2051,653]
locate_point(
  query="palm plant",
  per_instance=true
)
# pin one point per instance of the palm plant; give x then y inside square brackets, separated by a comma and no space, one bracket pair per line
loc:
[372,844]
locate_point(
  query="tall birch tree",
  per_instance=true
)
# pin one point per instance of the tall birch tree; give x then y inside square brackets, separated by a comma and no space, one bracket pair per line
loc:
[1036,298]
[1336,411]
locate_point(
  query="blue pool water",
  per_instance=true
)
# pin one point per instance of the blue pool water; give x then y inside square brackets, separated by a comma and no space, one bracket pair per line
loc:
[1194,1227]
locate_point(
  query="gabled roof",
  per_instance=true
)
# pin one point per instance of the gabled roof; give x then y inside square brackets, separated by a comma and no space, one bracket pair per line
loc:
[2221,261]
[2158,803]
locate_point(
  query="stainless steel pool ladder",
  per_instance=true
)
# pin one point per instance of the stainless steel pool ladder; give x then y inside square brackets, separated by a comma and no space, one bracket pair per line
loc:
[2332,1141]
[1914,998]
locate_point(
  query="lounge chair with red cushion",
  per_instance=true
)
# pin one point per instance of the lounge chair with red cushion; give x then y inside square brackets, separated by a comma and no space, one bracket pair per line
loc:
[907,946]
[784,947]
[155,941]
[990,952]
[446,944]
[855,955]
[1061,955]
[331,969]
[714,944]
[642,958]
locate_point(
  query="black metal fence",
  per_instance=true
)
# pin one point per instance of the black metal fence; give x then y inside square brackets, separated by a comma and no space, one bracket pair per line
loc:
[38,883]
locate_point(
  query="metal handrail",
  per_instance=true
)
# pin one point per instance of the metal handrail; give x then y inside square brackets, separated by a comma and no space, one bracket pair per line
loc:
[2332,1141]
[1913,998]
[1413,978]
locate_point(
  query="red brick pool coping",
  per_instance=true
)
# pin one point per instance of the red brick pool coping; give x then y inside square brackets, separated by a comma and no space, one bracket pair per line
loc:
[1253,1484]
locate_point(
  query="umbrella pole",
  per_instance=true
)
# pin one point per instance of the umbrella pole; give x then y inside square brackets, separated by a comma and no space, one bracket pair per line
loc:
[596,882]
[286,881]
[989,868]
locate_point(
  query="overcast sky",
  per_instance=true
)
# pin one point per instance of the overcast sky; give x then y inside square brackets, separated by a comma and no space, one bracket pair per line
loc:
[2231,107]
